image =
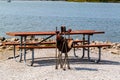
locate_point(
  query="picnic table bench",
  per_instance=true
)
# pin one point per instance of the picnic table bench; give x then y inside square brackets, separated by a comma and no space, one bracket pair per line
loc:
[33,44]
[99,46]
[24,45]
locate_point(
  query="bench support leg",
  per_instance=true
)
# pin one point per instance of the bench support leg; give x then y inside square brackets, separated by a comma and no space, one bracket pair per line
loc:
[21,49]
[25,57]
[83,48]
[88,54]
[99,55]
[74,52]
[32,57]
[25,50]
[83,53]
[14,52]
[88,48]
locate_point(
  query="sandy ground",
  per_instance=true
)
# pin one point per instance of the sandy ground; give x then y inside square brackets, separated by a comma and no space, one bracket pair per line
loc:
[44,67]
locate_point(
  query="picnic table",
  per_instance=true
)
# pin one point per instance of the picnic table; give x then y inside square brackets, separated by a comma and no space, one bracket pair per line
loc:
[23,36]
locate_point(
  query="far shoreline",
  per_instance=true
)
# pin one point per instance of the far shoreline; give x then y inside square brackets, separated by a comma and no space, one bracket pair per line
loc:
[96,1]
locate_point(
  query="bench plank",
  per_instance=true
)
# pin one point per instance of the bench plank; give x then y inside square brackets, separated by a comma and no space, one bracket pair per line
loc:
[35,47]
[35,43]
[92,45]
[28,43]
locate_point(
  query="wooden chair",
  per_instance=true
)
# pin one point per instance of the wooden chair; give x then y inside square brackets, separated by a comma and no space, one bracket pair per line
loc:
[64,45]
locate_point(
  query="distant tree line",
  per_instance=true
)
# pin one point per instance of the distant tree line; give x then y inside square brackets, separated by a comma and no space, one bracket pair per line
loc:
[70,0]
[95,0]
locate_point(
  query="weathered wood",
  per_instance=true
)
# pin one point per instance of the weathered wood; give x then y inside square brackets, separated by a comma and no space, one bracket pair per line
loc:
[30,33]
[27,43]
[92,45]
[88,32]
[35,47]
[34,43]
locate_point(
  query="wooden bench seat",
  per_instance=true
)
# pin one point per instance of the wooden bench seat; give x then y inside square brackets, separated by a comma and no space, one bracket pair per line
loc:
[28,43]
[54,46]
[92,45]
[35,43]
[80,41]
[16,44]
[99,46]
[39,47]
[35,47]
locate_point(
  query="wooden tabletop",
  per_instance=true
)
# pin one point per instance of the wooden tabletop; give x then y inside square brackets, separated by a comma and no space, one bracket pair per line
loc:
[31,33]
[88,32]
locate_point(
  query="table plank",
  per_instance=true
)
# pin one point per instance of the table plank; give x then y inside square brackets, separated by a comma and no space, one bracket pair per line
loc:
[31,33]
[53,33]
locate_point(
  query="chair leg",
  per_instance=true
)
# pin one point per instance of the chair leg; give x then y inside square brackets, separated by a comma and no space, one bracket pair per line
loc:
[56,56]
[66,62]
[59,60]
[68,65]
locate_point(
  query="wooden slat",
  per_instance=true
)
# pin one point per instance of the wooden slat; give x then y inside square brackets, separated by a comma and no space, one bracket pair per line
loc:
[77,41]
[80,46]
[88,32]
[28,43]
[96,45]
[36,47]
[53,33]
[30,33]
[33,43]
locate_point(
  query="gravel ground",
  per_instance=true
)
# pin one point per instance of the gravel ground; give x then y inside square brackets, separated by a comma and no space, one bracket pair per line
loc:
[44,68]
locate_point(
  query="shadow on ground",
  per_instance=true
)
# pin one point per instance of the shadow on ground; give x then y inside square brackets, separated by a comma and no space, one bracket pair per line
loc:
[48,61]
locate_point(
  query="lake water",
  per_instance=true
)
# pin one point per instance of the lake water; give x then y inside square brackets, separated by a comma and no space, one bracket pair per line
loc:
[47,15]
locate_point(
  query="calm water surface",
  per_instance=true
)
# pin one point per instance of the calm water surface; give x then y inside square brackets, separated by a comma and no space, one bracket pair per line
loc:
[47,15]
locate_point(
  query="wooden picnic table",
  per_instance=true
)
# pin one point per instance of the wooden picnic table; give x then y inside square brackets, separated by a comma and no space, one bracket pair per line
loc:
[50,34]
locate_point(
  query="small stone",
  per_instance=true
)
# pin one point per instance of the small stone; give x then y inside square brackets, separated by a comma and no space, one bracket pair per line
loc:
[2,38]
[10,48]
[0,43]
[114,51]
[3,47]
[14,39]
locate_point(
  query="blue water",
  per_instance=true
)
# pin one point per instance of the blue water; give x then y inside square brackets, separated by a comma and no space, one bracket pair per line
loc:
[47,15]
